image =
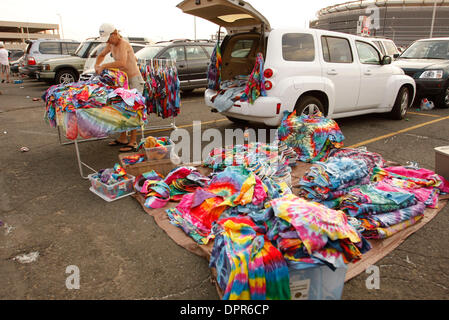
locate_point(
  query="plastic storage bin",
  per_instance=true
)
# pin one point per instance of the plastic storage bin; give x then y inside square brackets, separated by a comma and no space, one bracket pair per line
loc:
[114,191]
[442,161]
[318,282]
[160,153]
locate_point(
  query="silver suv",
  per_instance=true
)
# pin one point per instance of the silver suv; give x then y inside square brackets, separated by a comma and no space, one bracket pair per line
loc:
[43,49]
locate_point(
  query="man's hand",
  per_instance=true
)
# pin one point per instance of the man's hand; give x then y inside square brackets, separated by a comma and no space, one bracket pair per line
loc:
[99,69]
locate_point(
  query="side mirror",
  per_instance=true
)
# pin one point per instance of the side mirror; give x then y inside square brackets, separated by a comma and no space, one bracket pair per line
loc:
[386,60]
[396,55]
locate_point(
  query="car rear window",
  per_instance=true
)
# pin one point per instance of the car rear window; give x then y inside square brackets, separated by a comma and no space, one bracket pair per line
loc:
[209,49]
[50,48]
[298,47]
[336,50]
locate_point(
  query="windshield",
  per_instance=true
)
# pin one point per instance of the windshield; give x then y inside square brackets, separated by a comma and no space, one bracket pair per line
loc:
[82,49]
[148,52]
[427,50]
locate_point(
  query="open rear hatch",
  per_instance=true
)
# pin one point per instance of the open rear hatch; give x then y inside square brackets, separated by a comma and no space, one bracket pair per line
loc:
[234,15]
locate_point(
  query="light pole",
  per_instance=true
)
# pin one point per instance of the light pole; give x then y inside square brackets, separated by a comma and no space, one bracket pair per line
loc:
[433,17]
[60,23]
[194,27]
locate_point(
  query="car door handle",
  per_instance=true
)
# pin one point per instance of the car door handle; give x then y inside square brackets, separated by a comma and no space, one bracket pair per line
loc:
[182,66]
[368,72]
[332,72]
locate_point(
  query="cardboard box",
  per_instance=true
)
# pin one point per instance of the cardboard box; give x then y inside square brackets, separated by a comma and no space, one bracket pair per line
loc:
[318,282]
[442,161]
[161,166]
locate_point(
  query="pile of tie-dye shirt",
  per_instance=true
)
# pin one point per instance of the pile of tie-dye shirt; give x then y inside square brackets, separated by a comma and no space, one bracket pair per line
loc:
[385,200]
[311,136]
[97,107]
[265,160]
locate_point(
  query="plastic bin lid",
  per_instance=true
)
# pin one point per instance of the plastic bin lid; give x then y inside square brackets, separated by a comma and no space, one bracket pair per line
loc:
[444,150]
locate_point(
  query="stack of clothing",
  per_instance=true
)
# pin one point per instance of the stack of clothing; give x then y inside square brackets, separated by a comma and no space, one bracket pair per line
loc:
[265,160]
[425,184]
[248,266]
[230,92]
[111,176]
[97,107]
[311,233]
[371,159]
[329,181]
[184,180]
[311,136]
[198,211]
[382,209]
[153,188]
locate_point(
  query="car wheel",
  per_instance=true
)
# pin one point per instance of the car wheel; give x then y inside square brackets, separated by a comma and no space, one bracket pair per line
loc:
[442,100]
[65,76]
[401,104]
[309,105]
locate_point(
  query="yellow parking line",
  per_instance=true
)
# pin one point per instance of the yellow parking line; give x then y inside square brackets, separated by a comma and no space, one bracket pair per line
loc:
[185,126]
[424,114]
[397,132]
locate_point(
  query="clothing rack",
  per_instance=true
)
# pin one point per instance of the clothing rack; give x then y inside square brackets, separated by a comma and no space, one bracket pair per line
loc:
[159,63]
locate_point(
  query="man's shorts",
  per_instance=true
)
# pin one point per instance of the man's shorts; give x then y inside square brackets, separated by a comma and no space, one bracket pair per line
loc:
[137,82]
[5,68]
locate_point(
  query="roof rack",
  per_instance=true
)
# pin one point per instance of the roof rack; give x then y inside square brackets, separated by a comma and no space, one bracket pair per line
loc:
[185,40]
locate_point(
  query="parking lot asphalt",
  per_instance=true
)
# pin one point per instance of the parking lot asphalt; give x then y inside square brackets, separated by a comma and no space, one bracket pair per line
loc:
[46,207]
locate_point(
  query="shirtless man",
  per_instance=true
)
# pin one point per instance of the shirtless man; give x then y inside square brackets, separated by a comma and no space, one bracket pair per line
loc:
[126,61]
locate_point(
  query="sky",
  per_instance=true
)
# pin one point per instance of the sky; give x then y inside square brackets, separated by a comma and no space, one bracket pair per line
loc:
[155,19]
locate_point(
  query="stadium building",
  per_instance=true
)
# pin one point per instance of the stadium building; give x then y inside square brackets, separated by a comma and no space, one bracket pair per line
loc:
[403,21]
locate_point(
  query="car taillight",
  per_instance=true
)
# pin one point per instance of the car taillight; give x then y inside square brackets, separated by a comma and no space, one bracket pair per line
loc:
[31,61]
[268,85]
[278,108]
[268,73]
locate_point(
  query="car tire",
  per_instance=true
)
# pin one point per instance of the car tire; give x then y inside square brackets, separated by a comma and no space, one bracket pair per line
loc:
[65,76]
[442,101]
[309,105]
[401,104]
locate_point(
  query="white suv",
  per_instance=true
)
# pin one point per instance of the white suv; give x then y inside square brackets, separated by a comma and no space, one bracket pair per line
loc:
[309,70]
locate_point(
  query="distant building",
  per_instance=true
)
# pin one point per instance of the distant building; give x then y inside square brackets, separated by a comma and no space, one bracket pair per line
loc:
[14,34]
[403,21]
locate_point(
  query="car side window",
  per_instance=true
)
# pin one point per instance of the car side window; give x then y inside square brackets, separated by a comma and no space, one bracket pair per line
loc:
[209,50]
[177,53]
[69,48]
[298,47]
[367,53]
[50,47]
[336,50]
[195,53]
[242,48]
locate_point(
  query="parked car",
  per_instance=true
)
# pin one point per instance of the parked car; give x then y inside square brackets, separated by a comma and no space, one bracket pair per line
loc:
[89,66]
[14,66]
[427,62]
[67,69]
[307,70]
[15,54]
[43,49]
[386,46]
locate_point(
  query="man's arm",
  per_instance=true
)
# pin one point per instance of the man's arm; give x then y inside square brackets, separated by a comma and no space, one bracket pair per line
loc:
[102,54]
[120,59]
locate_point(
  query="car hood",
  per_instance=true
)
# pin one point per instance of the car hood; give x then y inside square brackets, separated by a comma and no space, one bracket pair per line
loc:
[234,15]
[417,64]
[64,60]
